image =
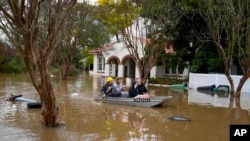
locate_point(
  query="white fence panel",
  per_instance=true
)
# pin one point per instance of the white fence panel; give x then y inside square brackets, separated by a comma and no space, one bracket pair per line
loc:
[198,79]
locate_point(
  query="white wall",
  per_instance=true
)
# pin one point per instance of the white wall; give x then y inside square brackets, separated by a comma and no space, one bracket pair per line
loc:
[95,64]
[157,71]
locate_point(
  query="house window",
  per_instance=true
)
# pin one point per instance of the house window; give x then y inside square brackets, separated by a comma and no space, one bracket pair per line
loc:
[101,63]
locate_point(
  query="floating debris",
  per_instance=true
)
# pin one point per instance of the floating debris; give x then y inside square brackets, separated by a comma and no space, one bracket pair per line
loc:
[179,118]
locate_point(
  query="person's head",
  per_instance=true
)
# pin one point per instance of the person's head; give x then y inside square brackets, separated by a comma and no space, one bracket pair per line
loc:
[109,80]
[138,81]
[118,80]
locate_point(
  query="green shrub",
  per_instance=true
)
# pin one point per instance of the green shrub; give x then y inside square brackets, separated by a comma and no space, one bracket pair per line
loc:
[53,70]
[72,71]
[15,65]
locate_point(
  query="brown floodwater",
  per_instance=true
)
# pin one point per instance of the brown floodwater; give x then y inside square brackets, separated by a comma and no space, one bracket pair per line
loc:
[86,120]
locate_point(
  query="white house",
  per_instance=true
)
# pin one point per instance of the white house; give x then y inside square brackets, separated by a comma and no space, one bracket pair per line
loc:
[115,60]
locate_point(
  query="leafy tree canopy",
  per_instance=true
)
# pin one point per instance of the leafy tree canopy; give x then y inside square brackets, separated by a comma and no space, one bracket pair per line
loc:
[116,15]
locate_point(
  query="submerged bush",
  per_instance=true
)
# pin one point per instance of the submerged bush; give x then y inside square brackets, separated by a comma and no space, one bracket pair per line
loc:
[15,65]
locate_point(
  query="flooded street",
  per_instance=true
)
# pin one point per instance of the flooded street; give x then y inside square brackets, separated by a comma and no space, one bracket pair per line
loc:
[86,120]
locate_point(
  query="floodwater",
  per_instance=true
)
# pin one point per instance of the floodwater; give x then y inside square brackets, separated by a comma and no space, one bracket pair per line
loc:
[86,120]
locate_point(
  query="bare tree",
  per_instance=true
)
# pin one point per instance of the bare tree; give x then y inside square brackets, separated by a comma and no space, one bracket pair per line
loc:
[81,32]
[161,18]
[34,27]
[229,26]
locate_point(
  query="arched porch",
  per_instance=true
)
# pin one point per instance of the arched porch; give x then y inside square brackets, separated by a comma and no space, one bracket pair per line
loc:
[111,66]
[129,67]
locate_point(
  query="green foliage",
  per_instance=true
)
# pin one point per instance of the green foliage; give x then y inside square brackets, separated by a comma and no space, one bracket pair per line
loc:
[15,65]
[117,15]
[82,32]
[10,60]
[76,58]
[207,60]
[89,60]
[1,57]
[72,70]
[53,70]
[85,27]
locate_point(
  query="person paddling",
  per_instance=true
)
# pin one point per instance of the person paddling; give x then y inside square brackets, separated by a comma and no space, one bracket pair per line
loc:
[106,89]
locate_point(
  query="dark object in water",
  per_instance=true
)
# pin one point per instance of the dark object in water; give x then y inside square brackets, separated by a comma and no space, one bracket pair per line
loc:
[19,98]
[179,118]
[34,105]
[223,90]
[12,97]
[211,88]
[178,86]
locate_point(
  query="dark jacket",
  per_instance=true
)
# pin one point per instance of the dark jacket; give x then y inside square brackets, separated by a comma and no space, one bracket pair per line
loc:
[139,90]
[107,90]
[104,89]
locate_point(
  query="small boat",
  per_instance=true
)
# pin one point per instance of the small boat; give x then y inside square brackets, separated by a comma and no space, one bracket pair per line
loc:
[138,102]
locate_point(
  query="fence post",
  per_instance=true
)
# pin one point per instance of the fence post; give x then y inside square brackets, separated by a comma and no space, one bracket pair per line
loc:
[216,80]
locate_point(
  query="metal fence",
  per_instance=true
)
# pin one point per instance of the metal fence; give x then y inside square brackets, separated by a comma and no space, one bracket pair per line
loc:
[198,79]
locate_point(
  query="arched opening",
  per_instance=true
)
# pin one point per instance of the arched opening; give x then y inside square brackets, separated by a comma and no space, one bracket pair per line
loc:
[129,67]
[113,62]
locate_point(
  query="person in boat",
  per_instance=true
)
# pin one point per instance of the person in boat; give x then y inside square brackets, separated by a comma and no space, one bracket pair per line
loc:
[106,89]
[138,90]
[116,88]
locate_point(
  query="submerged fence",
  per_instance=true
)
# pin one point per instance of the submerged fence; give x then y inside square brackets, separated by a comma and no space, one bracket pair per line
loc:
[198,79]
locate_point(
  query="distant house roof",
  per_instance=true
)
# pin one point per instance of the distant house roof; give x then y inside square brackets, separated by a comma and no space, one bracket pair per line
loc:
[143,40]
[100,49]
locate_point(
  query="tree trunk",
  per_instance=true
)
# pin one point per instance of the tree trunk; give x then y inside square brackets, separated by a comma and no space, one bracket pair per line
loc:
[241,84]
[41,81]
[49,108]
[38,46]
[141,69]
[230,80]
[63,71]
